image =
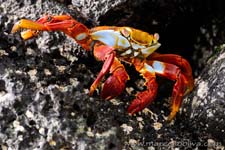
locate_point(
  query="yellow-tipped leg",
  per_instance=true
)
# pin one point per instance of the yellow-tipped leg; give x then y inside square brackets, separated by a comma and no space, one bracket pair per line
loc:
[173,113]
[92,89]
[177,95]
[144,98]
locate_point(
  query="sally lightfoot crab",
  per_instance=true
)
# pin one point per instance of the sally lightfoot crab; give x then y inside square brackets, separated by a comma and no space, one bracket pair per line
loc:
[112,45]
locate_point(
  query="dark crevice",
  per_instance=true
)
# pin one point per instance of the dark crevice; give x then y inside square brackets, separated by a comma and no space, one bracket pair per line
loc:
[180,25]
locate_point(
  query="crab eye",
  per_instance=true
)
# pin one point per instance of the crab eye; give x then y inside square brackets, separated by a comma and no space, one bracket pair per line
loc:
[155,37]
[126,31]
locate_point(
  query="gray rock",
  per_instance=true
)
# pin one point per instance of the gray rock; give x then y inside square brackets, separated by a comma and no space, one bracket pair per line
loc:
[44,82]
[95,9]
[204,108]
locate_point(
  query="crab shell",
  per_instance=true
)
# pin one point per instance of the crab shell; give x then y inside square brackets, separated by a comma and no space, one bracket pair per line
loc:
[129,42]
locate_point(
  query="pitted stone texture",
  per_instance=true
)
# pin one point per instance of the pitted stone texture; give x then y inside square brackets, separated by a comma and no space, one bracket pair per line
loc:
[94,9]
[45,81]
[205,108]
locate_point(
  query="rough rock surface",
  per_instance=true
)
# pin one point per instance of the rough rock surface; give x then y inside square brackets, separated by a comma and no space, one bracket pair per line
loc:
[44,82]
[95,9]
[204,108]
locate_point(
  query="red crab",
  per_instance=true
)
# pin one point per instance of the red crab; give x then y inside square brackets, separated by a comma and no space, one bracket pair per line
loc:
[111,45]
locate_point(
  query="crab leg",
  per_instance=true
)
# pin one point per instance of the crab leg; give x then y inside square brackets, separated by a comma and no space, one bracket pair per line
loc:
[144,98]
[170,71]
[181,63]
[174,73]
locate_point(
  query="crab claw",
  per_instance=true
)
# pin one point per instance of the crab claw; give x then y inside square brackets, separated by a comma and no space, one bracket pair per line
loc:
[115,84]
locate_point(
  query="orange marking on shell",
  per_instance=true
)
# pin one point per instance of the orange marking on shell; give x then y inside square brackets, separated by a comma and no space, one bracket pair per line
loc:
[141,37]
